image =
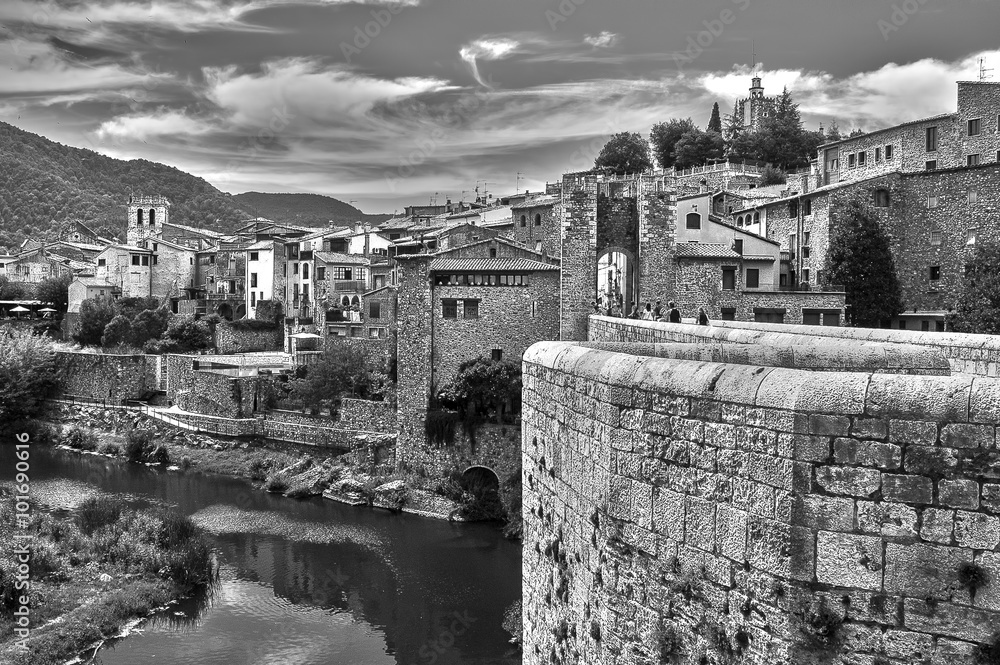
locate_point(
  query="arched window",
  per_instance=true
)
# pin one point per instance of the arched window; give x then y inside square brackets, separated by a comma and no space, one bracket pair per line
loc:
[524,220]
[538,220]
[355,301]
[756,218]
[739,221]
[345,301]
[152,216]
[138,216]
[693,220]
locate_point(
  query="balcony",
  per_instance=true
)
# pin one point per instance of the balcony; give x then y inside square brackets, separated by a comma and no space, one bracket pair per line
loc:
[350,286]
[224,296]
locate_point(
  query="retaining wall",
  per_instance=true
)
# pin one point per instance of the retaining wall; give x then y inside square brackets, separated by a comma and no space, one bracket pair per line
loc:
[240,339]
[680,511]
[107,376]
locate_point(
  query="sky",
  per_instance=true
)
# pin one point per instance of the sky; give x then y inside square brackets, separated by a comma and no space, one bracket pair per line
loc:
[387,104]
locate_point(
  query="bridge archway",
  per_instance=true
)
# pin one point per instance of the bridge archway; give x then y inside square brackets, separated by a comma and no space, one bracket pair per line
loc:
[617,276]
[225,311]
[481,476]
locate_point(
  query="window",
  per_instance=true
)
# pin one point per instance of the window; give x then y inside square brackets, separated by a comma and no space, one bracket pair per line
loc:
[935,237]
[756,218]
[102,262]
[101,292]
[321,273]
[496,355]
[932,200]
[932,139]
[851,160]
[493,252]
[972,160]
[805,275]
[805,252]
[738,245]
[145,260]
[375,310]
[254,256]
[470,309]
[305,271]
[739,221]
[768,315]
[211,259]
[888,152]
[881,198]
[783,280]
[253,298]
[135,259]
[935,273]
[152,216]
[342,273]
[753,278]
[970,236]
[902,324]
[524,220]
[156,247]
[376,333]
[693,221]
[728,314]
[449,308]
[805,238]
[973,196]
[793,209]
[931,165]
[807,207]
[295,268]
[729,279]
[156,260]
[538,219]
[138,217]
[925,326]
[878,154]
[253,280]
[974,127]
[862,158]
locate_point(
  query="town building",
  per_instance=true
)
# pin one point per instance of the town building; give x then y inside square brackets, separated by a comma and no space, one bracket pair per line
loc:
[128,267]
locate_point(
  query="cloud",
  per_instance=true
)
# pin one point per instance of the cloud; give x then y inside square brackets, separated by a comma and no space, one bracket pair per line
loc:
[486,48]
[143,126]
[604,40]
[101,17]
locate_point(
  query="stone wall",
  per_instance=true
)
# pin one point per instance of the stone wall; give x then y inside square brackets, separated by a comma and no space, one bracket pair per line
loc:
[680,511]
[105,376]
[496,446]
[578,286]
[241,339]
[367,415]
[215,394]
[415,313]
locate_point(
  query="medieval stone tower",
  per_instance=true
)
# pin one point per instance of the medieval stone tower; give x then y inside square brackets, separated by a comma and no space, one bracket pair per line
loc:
[146,217]
[632,218]
[755,107]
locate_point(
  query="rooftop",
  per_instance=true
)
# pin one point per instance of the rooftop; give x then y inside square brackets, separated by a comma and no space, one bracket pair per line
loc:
[706,250]
[337,257]
[490,265]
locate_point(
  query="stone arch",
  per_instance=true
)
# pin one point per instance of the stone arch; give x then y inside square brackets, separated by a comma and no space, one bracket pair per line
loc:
[739,221]
[524,220]
[152,216]
[225,310]
[538,219]
[138,216]
[483,475]
[629,286]
[345,301]
[241,311]
[756,218]
[355,301]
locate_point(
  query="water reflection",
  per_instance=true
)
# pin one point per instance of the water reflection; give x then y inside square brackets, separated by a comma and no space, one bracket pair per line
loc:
[310,582]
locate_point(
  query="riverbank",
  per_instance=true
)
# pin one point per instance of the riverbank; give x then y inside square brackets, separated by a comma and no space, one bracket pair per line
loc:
[94,573]
[293,471]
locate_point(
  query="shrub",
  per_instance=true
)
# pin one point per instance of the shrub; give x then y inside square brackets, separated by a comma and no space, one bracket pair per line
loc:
[80,438]
[300,492]
[109,448]
[97,512]
[174,530]
[138,445]
[277,483]
[159,455]
[258,468]
[44,560]
[440,427]
[186,462]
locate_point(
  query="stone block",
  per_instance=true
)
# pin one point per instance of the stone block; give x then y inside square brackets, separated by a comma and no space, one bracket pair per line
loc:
[849,481]
[919,570]
[964,435]
[908,646]
[976,530]
[668,514]
[849,560]
[913,432]
[829,425]
[907,489]
[958,493]
[869,428]
[826,513]
[931,460]
[867,453]
[620,497]
[991,498]
[700,524]
[988,595]
[731,532]
[948,619]
[779,549]
[804,447]
[937,525]
[887,519]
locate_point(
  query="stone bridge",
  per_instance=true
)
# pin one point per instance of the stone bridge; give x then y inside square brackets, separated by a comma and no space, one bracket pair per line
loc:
[824,498]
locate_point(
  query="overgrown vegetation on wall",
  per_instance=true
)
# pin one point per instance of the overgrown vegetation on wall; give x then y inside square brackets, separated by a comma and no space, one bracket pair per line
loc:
[978,309]
[28,376]
[342,371]
[139,323]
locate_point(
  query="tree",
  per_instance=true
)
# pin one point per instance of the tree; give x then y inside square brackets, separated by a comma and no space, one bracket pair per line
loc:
[737,141]
[269,310]
[117,332]
[10,290]
[149,324]
[29,374]
[95,315]
[481,386]
[861,259]
[715,122]
[626,152]
[697,147]
[833,133]
[55,291]
[781,140]
[665,135]
[183,335]
[978,309]
[342,370]
[772,176]
[857,131]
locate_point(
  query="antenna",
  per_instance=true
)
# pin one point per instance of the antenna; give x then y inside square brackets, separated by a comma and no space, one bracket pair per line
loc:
[517,182]
[753,47]
[983,71]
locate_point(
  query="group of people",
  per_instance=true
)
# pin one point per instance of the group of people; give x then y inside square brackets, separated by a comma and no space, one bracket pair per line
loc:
[648,313]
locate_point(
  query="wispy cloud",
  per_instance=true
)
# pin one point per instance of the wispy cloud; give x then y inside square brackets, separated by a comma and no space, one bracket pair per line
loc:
[143,126]
[487,48]
[604,40]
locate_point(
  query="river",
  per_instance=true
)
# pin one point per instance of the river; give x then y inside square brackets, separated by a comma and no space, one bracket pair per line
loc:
[308,582]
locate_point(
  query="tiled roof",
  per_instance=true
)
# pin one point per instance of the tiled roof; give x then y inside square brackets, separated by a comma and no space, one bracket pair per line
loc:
[706,250]
[205,232]
[88,280]
[490,265]
[537,202]
[337,257]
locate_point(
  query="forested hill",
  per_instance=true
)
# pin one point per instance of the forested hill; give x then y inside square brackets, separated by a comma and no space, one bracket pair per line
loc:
[44,184]
[304,209]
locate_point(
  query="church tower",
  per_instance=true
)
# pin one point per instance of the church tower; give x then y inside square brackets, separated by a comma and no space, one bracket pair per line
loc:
[146,217]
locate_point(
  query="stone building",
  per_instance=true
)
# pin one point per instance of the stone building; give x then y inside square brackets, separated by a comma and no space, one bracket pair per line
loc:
[378,312]
[35,265]
[221,278]
[128,267]
[146,216]
[753,109]
[535,223]
[968,137]
[340,280]
[266,273]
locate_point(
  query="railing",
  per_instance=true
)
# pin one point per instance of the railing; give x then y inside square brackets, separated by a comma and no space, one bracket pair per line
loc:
[357,286]
[723,166]
[224,296]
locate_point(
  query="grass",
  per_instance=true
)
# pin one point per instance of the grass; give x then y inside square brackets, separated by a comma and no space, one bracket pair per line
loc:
[96,569]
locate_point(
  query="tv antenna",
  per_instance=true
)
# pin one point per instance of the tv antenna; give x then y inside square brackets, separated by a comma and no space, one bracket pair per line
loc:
[983,70]
[434,199]
[517,182]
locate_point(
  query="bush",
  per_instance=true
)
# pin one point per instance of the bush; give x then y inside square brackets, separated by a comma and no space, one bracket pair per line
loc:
[109,448]
[159,455]
[277,483]
[138,445]
[97,512]
[186,462]
[259,468]
[80,438]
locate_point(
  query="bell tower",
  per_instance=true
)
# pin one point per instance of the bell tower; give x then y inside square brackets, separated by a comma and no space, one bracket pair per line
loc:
[146,216]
